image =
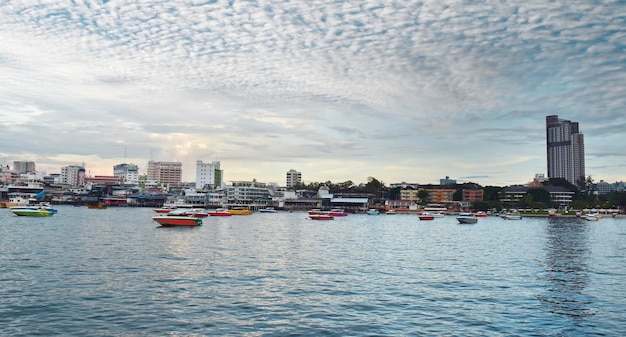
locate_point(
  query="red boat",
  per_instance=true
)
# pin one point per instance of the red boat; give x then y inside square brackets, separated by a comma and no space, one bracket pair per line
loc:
[172,221]
[338,212]
[321,217]
[219,212]
[162,210]
[480,214]
[426,217]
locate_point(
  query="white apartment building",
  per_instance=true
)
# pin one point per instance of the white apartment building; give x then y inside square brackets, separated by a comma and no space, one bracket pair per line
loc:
[129,172]
[247,191]
[73,175]
[209,175]
[293,178]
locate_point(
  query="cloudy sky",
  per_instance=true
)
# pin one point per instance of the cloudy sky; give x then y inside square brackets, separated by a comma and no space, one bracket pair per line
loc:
[340,90]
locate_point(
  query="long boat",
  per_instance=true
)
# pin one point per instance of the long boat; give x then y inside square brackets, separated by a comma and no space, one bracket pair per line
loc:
[172,221]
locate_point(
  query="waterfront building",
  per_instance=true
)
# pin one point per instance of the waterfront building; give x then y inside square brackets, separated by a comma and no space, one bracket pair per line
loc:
[247,191]
[409,195]
[128,172]
[209,175]
[473,194]
[565,149]
[24,166]
[440,195]
[293,178]
[165,172]
[73,175]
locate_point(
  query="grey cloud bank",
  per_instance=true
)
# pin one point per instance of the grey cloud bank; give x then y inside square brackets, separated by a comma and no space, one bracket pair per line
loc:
[411,90]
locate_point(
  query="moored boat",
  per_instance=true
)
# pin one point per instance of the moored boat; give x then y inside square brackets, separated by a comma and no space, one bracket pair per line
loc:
[219,212]
[162,210]
[373,211]
[426,216]
[267,210]
[175,220]
[321,217]
[512,216]
[338,212]
[467,218]
[239,211]
[592,216]
[32,211]
[480,214]
[391,212]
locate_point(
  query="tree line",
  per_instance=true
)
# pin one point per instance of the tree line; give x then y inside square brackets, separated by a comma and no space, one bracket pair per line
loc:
[536,198]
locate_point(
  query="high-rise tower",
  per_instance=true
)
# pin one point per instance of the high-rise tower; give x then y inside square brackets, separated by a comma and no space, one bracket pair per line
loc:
[565,147]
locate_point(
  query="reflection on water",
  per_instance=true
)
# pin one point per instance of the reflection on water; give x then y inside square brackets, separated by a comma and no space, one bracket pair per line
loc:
[567,268]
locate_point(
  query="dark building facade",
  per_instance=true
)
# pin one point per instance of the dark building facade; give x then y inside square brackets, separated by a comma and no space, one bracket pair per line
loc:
[565,148]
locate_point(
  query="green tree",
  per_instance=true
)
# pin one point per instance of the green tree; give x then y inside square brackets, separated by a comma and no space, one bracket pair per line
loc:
[374,185]
[539,195]
[422,194]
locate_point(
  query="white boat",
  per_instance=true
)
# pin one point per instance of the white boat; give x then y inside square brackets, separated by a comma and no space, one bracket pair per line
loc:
[373,211]
[467,218]
[592,216]
[512,216]
[267,210]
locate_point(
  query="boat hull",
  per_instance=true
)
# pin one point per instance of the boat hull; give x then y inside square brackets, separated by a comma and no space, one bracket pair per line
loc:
[426,217]
[173,221]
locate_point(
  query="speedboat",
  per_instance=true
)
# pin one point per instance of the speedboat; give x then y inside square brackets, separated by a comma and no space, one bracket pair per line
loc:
[267,210]
[162,210]
[219,212]
[391,212]
[338,212]
[592,216]
[176,220]
[512,216]
[467,218]
[480,214]
[324,216]
[426,216]
[32,211]
[373,211]
[239,211]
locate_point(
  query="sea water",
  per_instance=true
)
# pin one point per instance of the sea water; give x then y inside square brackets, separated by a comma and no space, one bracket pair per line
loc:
[114,272]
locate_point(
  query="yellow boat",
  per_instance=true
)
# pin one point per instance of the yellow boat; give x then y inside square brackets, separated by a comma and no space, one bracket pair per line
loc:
[239,211]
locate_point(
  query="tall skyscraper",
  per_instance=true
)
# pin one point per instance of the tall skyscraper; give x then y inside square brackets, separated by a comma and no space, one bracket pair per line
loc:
[565,147]
[293,177]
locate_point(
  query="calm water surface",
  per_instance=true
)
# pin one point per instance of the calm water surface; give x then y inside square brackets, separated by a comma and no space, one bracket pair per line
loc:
[113,272]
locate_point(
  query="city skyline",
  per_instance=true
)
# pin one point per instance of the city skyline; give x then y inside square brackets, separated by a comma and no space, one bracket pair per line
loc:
[410,91]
